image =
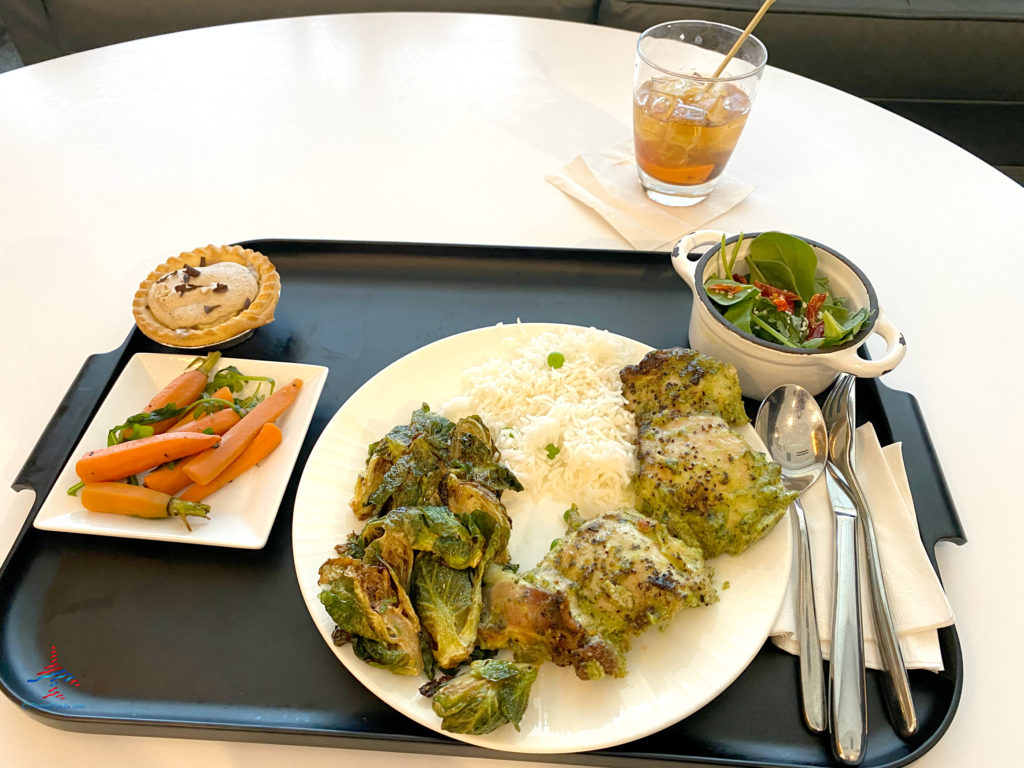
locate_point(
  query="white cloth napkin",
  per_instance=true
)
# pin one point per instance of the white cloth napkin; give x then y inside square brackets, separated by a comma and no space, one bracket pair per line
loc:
[916,599]
[607,182]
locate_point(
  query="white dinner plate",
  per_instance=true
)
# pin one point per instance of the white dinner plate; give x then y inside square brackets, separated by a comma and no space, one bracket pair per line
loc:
[672,671]
[242,512]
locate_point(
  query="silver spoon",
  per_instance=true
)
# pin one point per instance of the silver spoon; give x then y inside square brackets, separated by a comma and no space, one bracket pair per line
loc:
[793,430]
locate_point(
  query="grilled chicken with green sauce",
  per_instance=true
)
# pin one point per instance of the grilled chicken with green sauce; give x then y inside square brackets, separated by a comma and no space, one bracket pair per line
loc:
[696,474]
[606,580]
[682,381]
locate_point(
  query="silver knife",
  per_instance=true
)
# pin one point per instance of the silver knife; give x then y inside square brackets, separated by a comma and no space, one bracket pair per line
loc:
[847,708]
[895,683]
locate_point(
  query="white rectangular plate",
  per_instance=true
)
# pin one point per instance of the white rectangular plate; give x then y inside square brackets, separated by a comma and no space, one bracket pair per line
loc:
[242,512]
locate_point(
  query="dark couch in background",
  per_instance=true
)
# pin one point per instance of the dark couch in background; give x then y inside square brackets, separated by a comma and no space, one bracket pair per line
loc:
[953,66]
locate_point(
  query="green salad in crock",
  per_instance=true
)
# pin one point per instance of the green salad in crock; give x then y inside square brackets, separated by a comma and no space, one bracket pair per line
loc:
[781,298]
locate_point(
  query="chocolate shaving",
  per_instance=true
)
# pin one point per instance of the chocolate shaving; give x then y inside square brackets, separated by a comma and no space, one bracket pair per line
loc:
[191,271]
[207,308]
[202,261]
[248,301]
[219,288]
[181,288]
[165,277]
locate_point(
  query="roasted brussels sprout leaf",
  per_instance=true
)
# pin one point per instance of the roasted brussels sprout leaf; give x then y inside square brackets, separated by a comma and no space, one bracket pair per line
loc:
[474,502]
[407,590]
[434,427]
[448,603]
[473,456]
[402,660]
[424,529]
[471,442]
[366,602]
[409,466]
[493,692]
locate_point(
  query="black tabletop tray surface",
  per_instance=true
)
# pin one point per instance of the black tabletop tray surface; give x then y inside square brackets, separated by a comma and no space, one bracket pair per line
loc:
[166,639]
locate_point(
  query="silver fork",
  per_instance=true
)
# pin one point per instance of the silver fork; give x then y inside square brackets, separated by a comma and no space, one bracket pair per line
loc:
[896,685]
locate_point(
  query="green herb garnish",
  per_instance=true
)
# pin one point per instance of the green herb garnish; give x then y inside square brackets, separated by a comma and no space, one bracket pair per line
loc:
[552,449]
[140,425]
[235,380]
[556,359]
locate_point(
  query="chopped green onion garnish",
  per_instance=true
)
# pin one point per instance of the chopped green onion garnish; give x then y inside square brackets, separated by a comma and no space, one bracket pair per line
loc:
[552,449]
[556,359]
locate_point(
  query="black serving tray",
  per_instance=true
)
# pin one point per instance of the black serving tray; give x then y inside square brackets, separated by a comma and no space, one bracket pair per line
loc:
[165,639]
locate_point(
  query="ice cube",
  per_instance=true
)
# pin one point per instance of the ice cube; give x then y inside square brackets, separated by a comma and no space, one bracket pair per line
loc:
[688,113]
[667,86]
[661,106]
[737,102]
[717,112]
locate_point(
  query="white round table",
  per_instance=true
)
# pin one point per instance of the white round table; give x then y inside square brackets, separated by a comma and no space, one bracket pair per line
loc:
[441,128]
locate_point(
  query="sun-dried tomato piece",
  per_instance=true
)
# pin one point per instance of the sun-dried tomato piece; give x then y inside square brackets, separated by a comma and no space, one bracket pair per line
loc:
[732,290]
[783,300]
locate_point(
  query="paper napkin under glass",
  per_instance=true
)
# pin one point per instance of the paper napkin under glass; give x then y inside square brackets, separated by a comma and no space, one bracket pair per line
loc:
[607,182]
[916,599]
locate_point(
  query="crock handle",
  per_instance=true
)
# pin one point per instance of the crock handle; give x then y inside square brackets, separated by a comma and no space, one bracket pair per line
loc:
[848,361]
[701,239]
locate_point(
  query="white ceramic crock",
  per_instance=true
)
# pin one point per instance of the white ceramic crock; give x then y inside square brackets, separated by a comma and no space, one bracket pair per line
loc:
[763,365]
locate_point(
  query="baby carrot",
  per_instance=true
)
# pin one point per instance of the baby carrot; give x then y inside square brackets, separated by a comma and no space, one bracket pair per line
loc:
[218,421]
[136,501]
[205,406]
[168,479]
[180,393]
[213,461]
[268,438]
[171,477]
[187,386]
[116,462]
[224,393]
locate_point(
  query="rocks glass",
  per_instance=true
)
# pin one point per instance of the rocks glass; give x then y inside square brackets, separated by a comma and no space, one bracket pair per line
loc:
[686,119]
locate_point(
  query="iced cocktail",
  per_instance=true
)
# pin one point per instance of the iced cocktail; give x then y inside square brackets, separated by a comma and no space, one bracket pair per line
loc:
[686,120]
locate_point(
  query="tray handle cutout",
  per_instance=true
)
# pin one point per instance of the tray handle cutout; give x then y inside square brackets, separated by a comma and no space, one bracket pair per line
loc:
[69,421]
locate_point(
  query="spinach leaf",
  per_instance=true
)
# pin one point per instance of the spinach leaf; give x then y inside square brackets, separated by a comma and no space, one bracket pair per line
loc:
[812,343]
[839,331]
[732,293]
[739,314]
[772,333]
[785,262]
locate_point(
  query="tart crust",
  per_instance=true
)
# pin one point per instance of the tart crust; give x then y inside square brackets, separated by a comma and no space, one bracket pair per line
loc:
[259,312]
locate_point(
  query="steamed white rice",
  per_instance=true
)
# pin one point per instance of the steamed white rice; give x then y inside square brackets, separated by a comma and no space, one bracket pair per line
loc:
[577,408]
